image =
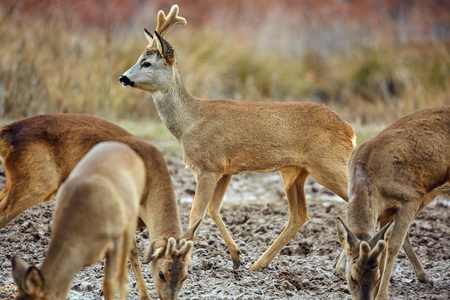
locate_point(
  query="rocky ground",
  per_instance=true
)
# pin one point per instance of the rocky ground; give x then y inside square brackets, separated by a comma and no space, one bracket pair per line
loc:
[255,211]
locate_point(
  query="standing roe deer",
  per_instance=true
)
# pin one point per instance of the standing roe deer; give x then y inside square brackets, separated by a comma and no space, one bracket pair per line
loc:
[393,176]
[220,138]
[39,153]
[95,217]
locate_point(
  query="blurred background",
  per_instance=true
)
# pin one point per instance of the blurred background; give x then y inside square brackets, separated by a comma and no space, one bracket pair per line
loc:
[372,61]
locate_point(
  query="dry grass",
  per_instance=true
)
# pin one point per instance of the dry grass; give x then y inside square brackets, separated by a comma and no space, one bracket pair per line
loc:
[47,66]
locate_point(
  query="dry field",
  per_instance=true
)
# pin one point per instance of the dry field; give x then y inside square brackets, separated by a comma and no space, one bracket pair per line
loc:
[255,211]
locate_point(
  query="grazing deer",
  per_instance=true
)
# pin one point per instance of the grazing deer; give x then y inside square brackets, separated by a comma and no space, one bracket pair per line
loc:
[95,217]
[39,153]
[220,138]
[393,176]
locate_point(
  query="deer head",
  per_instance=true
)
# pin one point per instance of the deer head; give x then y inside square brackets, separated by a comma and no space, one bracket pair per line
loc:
[154,68]
[365,260]
[29,280]
[169,262]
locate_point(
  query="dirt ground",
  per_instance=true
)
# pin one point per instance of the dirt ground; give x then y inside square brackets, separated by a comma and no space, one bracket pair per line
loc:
[255,211]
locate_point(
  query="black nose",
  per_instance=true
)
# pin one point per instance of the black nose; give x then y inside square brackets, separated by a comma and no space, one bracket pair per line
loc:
[124,80]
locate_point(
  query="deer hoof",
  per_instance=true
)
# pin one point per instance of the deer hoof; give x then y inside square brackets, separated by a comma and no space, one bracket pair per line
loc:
[236,264]
[255,266]
[423,278]
[236,260]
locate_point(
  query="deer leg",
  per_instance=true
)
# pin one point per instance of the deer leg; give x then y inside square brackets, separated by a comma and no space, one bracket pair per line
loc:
[122,274]
[18,199]
[403,219]
[30,179]
[206,184]
[136,267]
[19,195]
[298,214]
[213,209]
[409,251]
[111,269]
[418,268]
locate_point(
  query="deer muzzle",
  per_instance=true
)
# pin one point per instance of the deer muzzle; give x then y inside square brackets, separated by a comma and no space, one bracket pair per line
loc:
[125,81]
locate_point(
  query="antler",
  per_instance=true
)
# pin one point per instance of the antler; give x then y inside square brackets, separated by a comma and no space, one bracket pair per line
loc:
[375,254]
[169,248]
[368,257]
[184,245]
[364,252]
[165,23]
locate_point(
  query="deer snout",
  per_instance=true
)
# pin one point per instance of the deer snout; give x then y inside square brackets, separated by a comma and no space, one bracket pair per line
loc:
[125,81]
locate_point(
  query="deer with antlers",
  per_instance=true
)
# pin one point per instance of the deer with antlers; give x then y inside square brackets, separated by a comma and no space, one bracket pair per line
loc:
[39,153]
[220,138]
[393,176]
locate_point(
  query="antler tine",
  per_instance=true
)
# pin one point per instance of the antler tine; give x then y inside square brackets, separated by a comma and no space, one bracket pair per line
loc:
[376,251]
[187,246]
[364,252]
[172,19]
[171,246]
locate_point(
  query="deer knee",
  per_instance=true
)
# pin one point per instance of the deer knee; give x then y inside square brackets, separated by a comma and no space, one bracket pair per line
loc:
[297,221]
[213,211]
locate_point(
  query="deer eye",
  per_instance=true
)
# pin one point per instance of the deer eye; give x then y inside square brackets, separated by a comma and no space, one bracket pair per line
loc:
[146,64]
[352,279]
[161,275]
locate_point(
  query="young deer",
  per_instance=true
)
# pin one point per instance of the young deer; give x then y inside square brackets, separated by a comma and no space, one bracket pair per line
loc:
[39,153]
[95,218]
[220,138]
[393,176]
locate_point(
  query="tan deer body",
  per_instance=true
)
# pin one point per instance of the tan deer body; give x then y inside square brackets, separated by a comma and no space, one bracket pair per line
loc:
[95,218]
[392,176]
[220,138]
[40,152]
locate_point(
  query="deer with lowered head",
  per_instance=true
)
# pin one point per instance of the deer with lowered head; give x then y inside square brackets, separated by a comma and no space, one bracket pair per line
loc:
[221,138]
[95,217]
[393,176]
[39,153]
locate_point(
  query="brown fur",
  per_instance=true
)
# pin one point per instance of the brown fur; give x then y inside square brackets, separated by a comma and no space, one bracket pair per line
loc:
[173,257]
[40,152]
[393,176]
[220,138]
[95,218]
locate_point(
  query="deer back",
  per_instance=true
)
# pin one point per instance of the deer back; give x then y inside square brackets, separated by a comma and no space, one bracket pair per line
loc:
[408,157]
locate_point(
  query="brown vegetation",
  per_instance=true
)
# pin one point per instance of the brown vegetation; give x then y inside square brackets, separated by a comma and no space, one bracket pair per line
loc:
[371,64]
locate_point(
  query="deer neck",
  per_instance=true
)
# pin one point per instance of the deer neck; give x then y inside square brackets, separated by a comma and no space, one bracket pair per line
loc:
[164,221]
[58,270]
[362,209]
[174,105]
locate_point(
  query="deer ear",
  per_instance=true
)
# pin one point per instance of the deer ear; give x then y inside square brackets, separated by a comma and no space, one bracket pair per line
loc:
[383,234]
[164,48]
[389,230]
[151,254]
[19,269]
[33,283]
[347,239]
[192,232]
[148,36]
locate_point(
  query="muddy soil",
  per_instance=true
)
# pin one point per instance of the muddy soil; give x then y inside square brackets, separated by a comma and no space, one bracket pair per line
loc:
[255,211]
